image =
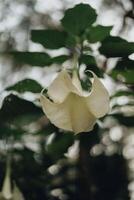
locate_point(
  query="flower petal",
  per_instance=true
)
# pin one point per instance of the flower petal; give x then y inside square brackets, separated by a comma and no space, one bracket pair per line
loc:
[72,114]
[17,195]
[61,87]
[58,114]
[6,188]
[98,99]
[76,82]
[82,120]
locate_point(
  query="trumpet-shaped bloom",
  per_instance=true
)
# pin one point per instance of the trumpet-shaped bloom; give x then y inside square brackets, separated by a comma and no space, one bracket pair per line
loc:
[71,108]
[7,192]
[6,188]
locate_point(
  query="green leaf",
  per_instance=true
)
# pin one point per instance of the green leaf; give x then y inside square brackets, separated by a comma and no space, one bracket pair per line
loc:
[124,71]
[88,60]
[60,59]
[123,93]
[77,19]
[98,33]
[26,85]
[51,39]
[125,64]
[91,64]
[125,120]
[32,58]
[14,107]
[26,119]
[7,131]
[126,76]
[116,47]
[71,41]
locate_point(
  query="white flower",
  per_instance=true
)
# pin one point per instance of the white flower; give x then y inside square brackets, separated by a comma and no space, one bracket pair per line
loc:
[6,188]
[70,108]
[7,193]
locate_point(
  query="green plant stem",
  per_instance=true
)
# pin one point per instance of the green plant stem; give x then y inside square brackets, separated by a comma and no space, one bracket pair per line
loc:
[75,62]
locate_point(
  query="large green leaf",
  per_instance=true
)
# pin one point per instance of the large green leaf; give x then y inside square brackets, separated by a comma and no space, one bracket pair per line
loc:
[51,39]
[71,41]
[26,85]
[32,58]
[14,107]
[98,33]
[60,59]
[116,47]
[77,19]
[124,71]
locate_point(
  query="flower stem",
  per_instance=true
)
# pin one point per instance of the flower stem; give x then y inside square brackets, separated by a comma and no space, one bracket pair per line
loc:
[75,62]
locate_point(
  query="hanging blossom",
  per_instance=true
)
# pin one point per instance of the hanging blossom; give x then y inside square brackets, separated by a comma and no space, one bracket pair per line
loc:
[71,108]
[7,193]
